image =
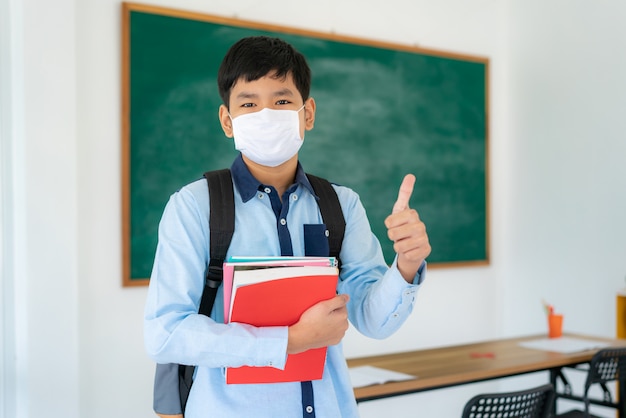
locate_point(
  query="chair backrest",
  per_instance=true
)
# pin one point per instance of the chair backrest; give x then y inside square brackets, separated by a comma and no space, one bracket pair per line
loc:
[607,365]
[530,403]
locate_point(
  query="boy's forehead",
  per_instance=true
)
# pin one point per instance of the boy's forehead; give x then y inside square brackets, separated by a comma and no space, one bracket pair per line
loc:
[269,81]
[288,77]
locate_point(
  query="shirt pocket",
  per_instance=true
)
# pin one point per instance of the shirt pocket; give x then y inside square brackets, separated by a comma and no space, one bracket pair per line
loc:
[316,240]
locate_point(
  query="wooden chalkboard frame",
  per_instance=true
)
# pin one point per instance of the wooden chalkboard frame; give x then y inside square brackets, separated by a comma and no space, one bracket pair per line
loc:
[126,157]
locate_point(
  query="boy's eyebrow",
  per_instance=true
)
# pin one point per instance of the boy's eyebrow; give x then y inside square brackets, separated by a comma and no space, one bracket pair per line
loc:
[246,95]
[249,95]
[284,92]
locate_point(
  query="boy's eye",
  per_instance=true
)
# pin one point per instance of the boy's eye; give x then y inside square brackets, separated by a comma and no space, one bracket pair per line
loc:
[283,101]
[247,105]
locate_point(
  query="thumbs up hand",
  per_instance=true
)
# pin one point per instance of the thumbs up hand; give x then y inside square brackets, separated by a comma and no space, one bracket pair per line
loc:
[407,232]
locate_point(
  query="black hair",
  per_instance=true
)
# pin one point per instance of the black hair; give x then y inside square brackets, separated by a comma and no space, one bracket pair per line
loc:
[255,57]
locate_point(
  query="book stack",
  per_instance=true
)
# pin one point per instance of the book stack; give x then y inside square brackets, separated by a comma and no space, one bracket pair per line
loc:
[275,291]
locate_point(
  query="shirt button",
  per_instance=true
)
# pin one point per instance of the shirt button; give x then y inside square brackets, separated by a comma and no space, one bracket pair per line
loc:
[260,196]
[294,197]
[309,409]
[283,222]
[267,190]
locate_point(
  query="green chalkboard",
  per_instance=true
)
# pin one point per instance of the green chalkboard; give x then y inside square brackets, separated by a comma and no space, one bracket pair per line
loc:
[383,110]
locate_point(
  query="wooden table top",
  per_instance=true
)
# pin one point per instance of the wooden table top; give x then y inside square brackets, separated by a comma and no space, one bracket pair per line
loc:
[455,365]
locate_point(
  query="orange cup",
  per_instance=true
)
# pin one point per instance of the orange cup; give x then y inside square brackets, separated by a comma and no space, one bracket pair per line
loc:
[555,325]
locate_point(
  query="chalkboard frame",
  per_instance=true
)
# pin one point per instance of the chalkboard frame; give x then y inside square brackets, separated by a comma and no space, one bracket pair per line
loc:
[128,8]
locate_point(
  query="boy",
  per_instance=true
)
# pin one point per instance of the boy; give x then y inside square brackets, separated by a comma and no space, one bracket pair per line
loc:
[264,84]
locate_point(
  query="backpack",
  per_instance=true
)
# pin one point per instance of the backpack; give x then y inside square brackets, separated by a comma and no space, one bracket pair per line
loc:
[172,382]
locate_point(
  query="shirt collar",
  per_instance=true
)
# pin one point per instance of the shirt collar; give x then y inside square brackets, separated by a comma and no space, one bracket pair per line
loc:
[248,185]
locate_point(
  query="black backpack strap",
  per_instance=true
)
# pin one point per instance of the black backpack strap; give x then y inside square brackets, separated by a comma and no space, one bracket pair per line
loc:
[222,227]
[331,213]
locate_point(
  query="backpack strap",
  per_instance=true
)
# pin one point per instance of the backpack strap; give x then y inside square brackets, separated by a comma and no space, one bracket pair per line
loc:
[222,227]
[331,213]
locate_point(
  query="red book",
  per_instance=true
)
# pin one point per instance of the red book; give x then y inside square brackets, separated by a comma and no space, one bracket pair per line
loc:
[251,263]
[278,298]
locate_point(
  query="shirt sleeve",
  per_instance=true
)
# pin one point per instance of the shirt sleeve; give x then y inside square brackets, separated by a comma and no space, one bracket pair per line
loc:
[173,330]
[380,299]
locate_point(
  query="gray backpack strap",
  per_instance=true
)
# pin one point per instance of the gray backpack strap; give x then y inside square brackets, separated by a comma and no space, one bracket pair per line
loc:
[166,399]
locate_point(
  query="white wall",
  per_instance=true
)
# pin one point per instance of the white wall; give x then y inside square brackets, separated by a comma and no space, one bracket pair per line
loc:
[40,196]
[567,224]
[557,190]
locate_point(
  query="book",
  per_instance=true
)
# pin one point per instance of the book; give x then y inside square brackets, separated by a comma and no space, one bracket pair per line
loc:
[277,296]
[251,262]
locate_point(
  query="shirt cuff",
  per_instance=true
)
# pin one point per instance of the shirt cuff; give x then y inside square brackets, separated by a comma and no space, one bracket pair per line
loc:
[271,347]
[420,276]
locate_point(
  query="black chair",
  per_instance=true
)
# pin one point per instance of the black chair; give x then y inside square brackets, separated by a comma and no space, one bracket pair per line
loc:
[530,403]
[607,365]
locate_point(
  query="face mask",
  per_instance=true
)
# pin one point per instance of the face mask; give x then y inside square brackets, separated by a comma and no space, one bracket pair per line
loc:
[268,137]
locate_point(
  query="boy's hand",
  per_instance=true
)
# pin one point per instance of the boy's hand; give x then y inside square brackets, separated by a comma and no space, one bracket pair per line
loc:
[407,232]
[323,324]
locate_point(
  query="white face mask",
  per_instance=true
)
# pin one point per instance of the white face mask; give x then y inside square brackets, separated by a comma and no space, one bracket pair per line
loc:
[268,137]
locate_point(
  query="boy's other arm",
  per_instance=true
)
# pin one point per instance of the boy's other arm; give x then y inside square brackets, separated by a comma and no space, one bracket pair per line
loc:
[408,232]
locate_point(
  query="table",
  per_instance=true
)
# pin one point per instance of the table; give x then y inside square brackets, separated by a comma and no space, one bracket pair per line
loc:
[461,364]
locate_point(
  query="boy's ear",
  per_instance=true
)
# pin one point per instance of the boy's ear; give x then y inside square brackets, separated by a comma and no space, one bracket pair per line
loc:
[309,113]
[226,121]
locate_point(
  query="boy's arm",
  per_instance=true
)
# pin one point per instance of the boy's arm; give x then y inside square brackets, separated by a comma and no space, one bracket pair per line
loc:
[327,322]
[408,232]
[174,332]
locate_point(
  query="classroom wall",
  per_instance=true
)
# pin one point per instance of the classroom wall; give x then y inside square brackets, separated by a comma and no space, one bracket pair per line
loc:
[72,336]
[567,147]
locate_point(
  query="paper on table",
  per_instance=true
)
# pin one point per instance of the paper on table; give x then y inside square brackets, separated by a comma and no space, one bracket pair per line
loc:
[564,344]
[369,375]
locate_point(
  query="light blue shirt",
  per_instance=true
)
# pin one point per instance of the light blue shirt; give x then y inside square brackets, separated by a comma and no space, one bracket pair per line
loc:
[380,299]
